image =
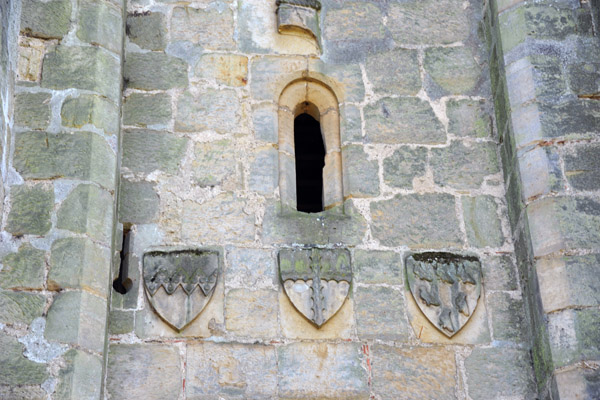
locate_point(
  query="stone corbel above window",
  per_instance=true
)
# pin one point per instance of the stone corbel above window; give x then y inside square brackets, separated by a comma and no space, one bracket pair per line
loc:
[299,17]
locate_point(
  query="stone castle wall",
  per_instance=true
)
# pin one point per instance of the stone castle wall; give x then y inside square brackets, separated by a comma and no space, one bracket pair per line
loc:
[465,127]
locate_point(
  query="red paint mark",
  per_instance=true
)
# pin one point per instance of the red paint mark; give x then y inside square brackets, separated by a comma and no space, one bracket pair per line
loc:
[366,352]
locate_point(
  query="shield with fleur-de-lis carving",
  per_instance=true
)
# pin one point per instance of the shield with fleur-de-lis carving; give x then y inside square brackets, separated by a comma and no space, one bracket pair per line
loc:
[180,283]
[316,281]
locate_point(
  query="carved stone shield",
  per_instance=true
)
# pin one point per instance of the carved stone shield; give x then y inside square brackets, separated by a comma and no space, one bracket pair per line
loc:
[446,287]
[180,283]
[316,281]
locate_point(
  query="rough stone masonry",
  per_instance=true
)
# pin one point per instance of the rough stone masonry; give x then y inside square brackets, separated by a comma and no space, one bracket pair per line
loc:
[462,152]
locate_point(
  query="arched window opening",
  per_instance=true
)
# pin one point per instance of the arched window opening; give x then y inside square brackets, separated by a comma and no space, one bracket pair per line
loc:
[310,160]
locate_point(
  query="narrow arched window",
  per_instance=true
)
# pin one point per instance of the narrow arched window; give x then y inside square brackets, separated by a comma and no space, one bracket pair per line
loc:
[310,160]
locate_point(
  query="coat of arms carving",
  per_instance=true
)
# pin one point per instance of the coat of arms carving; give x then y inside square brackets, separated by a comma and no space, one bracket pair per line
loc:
[180,283]
[316,281]
[446,287]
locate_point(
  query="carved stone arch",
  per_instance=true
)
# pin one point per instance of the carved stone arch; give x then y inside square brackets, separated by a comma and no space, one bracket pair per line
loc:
[320,102]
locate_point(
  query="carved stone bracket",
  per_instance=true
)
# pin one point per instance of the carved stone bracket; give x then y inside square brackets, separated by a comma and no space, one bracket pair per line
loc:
[299,17]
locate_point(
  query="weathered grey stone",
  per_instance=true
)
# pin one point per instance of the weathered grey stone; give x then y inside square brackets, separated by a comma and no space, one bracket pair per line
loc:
[120,322]
[223,218]
[395,72]
[469,118]
[16,369]
[100,23]
[148,30]
[582,167]
[403,120]
[453,70]
[413,373]
[579,382]
[334,370]
[350,124]
[361,175]
[225,69]
[89,109]
[509,320]
[78,263]
[269,72]
[570,119]
[23,270]
[67,67]
[142,109]
[88,209]
[20,307]
[147,151]
[497,372]
[217,110]
[32,110]
[211,27]
[404,165]
[251,313]
[297,19]
[251,268]
[22,393]
[584,78]
[264,173]
[264,120]
[161,366]
[347,76]
[84,155]
[419,221]
[481,221]
[574,335]
[79,377]
[138,202]
[155,71]
[46,19]
[462,167]
[244,371]
[380,314]
[428,22]
[77,318]
[30,210]
[213,162]
[372,266]
[499,273]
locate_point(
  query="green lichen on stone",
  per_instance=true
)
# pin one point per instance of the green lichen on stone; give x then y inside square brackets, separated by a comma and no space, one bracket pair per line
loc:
[84,155]
[155,71]
[32,110]
[90,109]
[120,322]
[395,72]
[509,320]
[46,19]
[138,202]
[481,221]
[462,167]
[469,118]
[142,109]
[100,23]
[403,166]
[146,151]
[20,307]
[582,167]
[24,269]
[453,69]
[147,30]
[79,376]
[30,210]
[15,369]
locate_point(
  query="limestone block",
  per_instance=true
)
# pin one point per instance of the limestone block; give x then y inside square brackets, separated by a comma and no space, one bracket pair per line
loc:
[142,109]
[395,72]
[251,268]
[29,62]
[227,369]
[419,221]
[497,373]
[147,30]
[15,369]
[584,78]
[160,366]
[462,167]
[380,314]
[146,151]
[264,120]
[413,373]
[79,111]
[298,19]
[576,383]
[30,210]
[225,69]
[403,120]
[453,70]
[483,227]
[264,171]
[23,392]
[428,22]
[80,377]
[67,67]
[212,27]
[77,318]
[270,74]
[577,118]
[372,266]
[46,19]
[217,110]
[154,71]
[24,269]
[138,202]
[88,209]
[213,163]
[251,313]
[345,79]
[469,118]
[361,175]
[78,263]
[582,167]
[120,322]
[403,166]
[100,23]
[333,370]
[574,335]
[350,124]
[509,319]
[32,110]
[499,273]
[85,156]
[20,307]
